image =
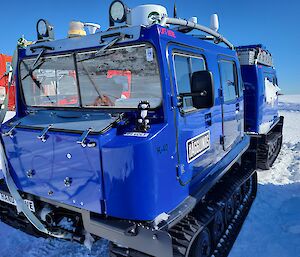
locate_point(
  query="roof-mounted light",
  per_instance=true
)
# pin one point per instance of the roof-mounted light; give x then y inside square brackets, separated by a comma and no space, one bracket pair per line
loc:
[44,30]
[76,29]
[117,12]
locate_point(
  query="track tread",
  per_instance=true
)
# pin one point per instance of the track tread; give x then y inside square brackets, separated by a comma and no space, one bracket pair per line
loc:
[186,231]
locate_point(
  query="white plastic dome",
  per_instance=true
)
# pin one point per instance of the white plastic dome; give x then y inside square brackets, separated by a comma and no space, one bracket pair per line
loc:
[147,14]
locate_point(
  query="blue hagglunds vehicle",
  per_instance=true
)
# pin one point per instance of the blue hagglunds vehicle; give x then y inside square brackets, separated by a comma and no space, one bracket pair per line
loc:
[147,134]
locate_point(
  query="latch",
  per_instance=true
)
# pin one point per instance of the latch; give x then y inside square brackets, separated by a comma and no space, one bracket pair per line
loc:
[208,120]
[82,139]
[43,136]
[10,133]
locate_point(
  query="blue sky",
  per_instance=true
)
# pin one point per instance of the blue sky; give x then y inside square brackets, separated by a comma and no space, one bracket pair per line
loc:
[273,23]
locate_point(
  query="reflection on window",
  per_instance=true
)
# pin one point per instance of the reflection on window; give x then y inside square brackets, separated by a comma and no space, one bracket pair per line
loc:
[229,80]
[120,78]
[53,83]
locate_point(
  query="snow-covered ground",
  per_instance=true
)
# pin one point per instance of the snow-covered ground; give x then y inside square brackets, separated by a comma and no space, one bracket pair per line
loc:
[273,225]
[272,228]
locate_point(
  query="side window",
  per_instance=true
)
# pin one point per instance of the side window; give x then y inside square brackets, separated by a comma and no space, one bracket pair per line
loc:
[272,78]
[184,68]
[271,88]
[182,74]
[229,80]
[197,64]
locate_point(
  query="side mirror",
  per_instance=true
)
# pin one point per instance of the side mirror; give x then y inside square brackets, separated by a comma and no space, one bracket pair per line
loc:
[202,89]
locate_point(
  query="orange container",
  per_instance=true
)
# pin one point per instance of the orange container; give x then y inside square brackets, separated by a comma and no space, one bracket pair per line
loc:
[5,62]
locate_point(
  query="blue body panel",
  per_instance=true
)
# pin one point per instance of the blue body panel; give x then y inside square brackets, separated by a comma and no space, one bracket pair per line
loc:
[127,177]
[51,165]
[260,116]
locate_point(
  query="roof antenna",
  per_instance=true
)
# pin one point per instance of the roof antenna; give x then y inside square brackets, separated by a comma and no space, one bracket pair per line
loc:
[175,10]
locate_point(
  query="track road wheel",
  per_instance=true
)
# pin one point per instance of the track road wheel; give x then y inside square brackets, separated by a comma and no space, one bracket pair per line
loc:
[238,198]
[229,210]
[202,245]
[217,227]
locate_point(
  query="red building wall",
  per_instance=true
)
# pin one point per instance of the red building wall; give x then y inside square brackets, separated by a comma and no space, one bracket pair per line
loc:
[5,62]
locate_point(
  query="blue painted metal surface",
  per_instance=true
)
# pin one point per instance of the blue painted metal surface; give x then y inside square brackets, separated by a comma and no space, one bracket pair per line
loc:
[257,110]
[131,177]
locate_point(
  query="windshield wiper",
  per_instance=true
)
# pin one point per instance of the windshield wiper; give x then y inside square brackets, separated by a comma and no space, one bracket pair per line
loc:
[92,81]
[108,45]
[32,69]
[34,65]
[36,82]
[103,48]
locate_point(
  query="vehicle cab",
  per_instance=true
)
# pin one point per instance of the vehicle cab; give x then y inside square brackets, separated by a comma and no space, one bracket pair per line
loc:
[76,139]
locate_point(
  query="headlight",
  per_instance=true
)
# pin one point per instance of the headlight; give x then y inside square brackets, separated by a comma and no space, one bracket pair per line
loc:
[117,12]
[44,30]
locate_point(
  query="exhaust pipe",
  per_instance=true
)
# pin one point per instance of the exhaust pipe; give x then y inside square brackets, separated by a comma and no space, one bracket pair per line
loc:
[47,215]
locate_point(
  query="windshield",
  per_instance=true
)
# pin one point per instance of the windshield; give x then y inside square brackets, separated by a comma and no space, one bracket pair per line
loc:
[118,78]
[53,83]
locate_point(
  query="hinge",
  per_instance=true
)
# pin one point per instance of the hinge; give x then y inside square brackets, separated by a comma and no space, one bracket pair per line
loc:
[174,101]
[222,140]
[180,169]
[220,92]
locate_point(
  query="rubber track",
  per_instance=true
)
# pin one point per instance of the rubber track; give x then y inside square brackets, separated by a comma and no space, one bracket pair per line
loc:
[264,161]
[185,232]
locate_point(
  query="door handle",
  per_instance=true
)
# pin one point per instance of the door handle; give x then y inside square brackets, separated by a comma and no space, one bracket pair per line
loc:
[237,107]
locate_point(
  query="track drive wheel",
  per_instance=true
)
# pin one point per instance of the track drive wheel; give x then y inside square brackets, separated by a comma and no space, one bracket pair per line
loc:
[217,227]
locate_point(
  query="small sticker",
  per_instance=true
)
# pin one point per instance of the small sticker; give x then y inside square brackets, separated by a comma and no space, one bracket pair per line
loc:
[167,32]
[136,134]
[149,54]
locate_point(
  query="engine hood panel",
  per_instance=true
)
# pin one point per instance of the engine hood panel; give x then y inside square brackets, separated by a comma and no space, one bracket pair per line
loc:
[58,168]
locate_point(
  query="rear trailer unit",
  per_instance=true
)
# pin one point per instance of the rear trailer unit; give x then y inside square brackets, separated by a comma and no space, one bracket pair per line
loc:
[135,134]
[262,120]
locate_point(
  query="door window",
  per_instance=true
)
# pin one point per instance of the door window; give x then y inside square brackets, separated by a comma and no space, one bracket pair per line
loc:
[182,74]
[229,80]
[184,67]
